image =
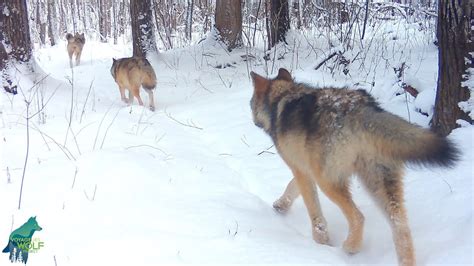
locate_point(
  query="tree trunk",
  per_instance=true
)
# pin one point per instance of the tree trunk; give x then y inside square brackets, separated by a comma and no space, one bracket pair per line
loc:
[229,22]
[142,28]
[40,21]
[16,30]
[279,21]
[51,23]
[73,15]
[454,33]
[189,20]
[102,21]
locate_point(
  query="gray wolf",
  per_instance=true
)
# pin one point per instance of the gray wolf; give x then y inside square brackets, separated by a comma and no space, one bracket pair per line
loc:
[131,73]
[75,44]
[326,135]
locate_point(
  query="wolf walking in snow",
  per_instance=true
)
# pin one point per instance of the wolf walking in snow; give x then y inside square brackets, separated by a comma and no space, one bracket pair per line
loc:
[326,135]
[131,73]
[75,44]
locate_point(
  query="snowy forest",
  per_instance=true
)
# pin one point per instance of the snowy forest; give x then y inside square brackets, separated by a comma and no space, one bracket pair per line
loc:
[294,132]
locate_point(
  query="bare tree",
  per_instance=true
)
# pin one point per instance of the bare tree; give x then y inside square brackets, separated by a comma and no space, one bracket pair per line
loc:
[455,45]
[189,19]
[51,22]
[102,20]
[279,21]
[229,22]
[142,28]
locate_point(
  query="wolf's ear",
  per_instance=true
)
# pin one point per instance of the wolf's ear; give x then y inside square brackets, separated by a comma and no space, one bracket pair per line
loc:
[283,74]
[114,60]
[260,84]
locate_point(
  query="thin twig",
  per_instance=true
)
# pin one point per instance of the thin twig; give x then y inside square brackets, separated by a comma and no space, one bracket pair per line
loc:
[181,123]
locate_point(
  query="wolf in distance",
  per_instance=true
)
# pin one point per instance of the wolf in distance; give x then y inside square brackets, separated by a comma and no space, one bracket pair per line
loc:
[132,72]
[326,135]
[75,44]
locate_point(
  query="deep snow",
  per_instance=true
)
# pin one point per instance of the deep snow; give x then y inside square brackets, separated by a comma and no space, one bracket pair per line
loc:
[189,183]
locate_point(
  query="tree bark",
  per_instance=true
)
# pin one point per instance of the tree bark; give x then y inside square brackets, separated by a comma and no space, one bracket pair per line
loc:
[51,23]
[16,30]
[279,21]
[454,35]
[142,28]
[189,19]
[102,21]
[228,19]
[40,21]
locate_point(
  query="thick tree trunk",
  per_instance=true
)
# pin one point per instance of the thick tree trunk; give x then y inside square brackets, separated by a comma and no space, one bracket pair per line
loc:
[16,30]
[279,21]
[454,33]
[229,22]
[142,28]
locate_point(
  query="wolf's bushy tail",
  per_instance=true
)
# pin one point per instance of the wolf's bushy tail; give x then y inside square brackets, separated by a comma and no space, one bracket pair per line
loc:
[149,80]
[398,139]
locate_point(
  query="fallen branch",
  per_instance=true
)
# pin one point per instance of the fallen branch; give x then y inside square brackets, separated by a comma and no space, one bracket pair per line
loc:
[325,60]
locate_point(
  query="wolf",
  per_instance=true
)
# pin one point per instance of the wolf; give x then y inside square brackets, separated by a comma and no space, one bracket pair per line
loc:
[326,135]
[75,44]
[20,239]
[131,73]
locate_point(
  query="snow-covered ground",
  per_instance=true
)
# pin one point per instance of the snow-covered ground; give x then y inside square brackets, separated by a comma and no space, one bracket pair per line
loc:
[194,182]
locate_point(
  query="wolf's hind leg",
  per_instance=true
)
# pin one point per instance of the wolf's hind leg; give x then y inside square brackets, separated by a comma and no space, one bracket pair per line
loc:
[384,181]
[78,57]
[130,97]
[285,201]
[339,193]
[151,99]
[135,90]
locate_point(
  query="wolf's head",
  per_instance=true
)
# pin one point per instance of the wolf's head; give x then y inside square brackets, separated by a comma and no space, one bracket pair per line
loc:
[80,38]
[33,224]
[263,96]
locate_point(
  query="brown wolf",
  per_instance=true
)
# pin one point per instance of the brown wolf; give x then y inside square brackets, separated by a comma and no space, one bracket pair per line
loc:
[129,73]
[75,43]
[326,135]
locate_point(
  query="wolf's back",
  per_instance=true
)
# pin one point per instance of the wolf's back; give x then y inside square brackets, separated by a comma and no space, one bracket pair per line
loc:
[401,140]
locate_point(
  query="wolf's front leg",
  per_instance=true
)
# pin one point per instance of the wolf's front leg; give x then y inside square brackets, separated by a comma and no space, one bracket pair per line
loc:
[283,204]
[309,192]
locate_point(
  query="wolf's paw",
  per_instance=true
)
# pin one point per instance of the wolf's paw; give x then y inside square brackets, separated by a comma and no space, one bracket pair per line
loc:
[352,246]
[152,108]
[282,205]
[320,233]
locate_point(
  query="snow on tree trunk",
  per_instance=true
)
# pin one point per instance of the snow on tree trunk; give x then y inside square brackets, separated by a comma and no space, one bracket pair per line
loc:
[142,28]
[454,33]
[15,28]
[229,22]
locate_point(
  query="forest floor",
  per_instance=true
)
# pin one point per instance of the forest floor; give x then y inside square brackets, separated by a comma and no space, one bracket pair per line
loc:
[194,181]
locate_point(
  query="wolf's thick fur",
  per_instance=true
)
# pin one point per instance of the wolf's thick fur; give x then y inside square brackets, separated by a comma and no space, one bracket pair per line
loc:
[75,44]
[326,135]
[131,73]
